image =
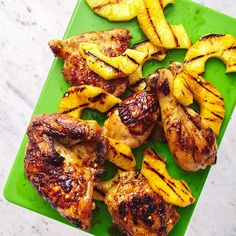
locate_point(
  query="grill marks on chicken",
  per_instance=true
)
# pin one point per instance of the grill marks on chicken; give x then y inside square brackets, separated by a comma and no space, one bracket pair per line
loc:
[65,181]
[137,209]
[133,120]
[111,42]
[191,141]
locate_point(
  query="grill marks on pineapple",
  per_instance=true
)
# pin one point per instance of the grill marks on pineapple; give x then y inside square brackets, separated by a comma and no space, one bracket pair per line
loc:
[209,54]
[140,43]
[174,36]
[204,85]
[169,183]
[211,36]
[137,83]
[98,8]
[153,26]
[105,63]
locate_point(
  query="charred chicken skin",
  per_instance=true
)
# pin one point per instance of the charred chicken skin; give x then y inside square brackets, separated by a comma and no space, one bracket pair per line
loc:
[137,209]
[63,157]
[133,120]
[191,141]
[111,42]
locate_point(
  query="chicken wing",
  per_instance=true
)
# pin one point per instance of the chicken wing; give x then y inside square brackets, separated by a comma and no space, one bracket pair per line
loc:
[64,155]
[137,209]
[191,141]
[133,120]
[111,42]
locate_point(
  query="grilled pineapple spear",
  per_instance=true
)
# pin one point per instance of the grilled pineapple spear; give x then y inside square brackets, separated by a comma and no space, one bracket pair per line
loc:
[121,155]
[213,45]
[190,85]
[173,191]
[211,103]
[114,10]
[136,79]
[77,98]
[111,67]
[153,23]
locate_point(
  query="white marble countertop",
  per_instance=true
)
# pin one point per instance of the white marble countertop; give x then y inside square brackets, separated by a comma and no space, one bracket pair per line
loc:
[25,28]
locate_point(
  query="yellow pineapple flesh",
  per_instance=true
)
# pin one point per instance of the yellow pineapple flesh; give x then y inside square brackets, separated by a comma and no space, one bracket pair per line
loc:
[136,79]
[153,23]
[176,192]
[114,10]
[188,88]
[219,46]
[77,98]
[121,155]
[111,67]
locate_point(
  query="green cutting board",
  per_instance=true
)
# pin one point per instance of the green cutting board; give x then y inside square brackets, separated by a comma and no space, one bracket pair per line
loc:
[198,21]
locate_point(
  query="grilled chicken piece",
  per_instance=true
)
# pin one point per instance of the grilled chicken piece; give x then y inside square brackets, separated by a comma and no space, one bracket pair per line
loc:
[137,209]
[133,120]
[191,141]
[112,43]
[64,155]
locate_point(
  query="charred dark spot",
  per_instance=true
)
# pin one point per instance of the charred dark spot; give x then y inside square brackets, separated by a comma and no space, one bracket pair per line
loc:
[66,183]
[97,98]
[99,191]
[162,230]
[75,222]
[210,137]
[232,48]
[159,53]
[140,43]
[83,105]
[133,60]
[147,220]
[211,36]
[56,160]
[164,87]
[161,208]
[206,151]
[123,211]
[136,202]
[137,83]
[151,207]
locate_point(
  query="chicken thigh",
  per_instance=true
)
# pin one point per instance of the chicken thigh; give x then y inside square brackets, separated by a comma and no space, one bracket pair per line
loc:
[63,157]
[137,209]
[133,120]
[111,42]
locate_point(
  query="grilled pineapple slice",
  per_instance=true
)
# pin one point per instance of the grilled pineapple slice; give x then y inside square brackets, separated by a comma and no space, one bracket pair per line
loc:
[173,191]
[153,23]
[136,79]
[114,10]
[111,67]
[188,88]
[101,187]
[121,155]
[212,45]
[77,98]
[181,89]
